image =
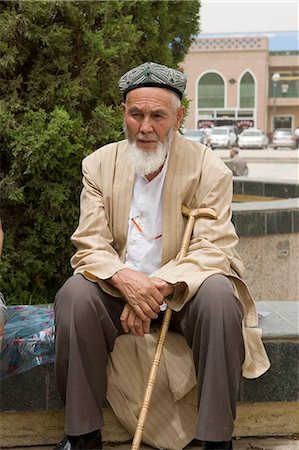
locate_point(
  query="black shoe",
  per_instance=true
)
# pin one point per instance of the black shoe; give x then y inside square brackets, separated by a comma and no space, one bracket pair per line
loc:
[88,441]
[194,443]
[63,445]
[211,445]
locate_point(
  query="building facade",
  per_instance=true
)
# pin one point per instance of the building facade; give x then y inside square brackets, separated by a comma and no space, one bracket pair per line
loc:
[237,81]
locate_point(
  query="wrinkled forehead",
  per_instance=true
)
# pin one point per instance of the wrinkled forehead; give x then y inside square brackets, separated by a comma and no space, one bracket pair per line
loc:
[150,98]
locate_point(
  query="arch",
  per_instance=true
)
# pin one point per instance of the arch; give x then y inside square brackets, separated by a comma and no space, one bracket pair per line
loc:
[247,90]
[211,91]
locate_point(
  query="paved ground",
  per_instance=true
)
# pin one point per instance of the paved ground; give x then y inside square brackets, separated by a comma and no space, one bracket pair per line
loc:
[239,444]
[266,154]
[268,163]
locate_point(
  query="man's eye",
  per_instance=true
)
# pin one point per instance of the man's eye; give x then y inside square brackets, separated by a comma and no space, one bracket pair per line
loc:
[135,114]
[157,116]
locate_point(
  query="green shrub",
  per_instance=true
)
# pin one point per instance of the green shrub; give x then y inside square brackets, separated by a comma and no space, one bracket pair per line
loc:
[60,62]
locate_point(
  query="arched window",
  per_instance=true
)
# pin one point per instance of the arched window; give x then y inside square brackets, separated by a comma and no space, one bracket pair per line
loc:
[211,91]
[247,91]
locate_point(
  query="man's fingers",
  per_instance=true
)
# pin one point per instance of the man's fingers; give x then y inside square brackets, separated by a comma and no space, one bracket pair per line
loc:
[164,287]
[158,282]
[137,289]
[124,317]
[132,323]
[146,326]
[157,296]
[150,309]
[136,325]
[143,311]
[140,327]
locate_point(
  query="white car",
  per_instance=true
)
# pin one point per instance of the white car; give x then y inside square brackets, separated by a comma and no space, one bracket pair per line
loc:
[283,137]
[252,138]
[196,135]
[222,137]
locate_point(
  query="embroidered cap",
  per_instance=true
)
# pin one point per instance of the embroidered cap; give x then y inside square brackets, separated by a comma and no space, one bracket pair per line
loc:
[151,74]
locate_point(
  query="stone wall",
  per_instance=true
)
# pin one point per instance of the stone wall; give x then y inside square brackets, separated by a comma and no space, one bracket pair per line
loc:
[271,264]
[269,237]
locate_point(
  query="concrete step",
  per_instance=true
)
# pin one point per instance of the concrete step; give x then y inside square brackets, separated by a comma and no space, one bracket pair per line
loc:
[239,444]
[29,428]
[268,406]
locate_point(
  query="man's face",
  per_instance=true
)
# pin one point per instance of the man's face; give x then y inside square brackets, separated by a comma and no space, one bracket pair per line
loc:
[150,113]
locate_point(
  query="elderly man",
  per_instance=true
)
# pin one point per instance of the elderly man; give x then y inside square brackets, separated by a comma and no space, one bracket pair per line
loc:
[125,265]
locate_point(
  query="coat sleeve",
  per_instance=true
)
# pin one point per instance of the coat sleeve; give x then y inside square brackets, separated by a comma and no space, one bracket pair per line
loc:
[212,245]
[95,256]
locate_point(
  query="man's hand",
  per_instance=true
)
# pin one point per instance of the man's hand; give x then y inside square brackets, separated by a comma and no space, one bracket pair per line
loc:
[140,291]
[130,322]
[164,287]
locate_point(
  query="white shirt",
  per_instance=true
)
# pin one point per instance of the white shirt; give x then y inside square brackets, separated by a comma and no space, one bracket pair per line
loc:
[144,245]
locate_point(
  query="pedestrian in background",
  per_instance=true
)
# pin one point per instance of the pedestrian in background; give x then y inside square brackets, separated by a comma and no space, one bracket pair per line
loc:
[238,164]
[296,137]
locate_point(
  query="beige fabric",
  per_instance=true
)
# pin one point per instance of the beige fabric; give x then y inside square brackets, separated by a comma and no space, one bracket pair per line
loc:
[195,177]
[170,423]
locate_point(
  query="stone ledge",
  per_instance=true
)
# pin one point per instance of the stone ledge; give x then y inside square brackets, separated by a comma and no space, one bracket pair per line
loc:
[267,406]
[281,323]
[269,188]
[266,218]
[36,389]
[281,339]
[259,217]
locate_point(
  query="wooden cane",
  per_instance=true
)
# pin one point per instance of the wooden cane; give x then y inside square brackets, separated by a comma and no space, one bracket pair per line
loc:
[192,215]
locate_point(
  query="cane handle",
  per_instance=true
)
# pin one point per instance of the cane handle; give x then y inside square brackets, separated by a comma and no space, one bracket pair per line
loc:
[198,212]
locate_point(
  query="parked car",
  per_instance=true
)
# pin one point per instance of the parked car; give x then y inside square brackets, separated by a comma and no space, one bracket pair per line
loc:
[196,135]
[222,137]
[252,138]
[283,137]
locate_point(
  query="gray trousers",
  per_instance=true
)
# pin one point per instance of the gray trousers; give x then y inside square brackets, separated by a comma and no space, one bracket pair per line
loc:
[87,324]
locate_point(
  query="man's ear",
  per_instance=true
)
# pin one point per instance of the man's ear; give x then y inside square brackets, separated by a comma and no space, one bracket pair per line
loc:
[180,114]
[123,107]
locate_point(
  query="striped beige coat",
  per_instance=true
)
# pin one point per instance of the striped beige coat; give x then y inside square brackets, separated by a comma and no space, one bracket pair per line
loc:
[195,177]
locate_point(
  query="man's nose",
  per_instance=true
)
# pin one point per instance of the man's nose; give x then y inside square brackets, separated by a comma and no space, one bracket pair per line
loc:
[146,125]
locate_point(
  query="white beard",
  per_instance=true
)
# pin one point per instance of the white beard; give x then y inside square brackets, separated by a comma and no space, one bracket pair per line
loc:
[147,162]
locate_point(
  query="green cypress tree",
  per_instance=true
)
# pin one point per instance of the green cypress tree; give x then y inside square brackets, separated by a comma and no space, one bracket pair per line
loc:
[60,62]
